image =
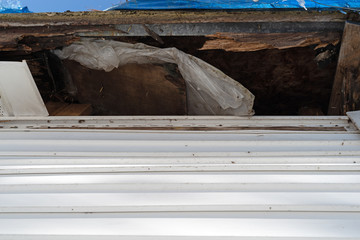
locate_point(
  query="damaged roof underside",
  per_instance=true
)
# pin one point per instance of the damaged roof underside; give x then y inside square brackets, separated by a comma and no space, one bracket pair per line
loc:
[272,36]
[64,28]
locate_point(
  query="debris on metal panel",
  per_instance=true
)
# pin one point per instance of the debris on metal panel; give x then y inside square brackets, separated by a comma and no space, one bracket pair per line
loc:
[301,124]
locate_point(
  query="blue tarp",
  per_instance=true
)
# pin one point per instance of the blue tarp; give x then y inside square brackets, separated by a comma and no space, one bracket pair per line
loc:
[236,4]
[14,10]
[12,6]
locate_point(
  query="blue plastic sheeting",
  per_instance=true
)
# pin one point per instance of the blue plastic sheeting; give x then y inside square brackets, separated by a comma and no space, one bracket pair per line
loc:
[12,6]
[14,10]
[236,4]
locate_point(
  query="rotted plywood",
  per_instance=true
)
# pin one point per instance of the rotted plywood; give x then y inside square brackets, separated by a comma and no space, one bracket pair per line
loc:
[246,42]
[132,89]
[345,96]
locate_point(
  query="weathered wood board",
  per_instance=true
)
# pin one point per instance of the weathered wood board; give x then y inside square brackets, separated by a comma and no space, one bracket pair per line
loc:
[245,42]
[66,109]
[345,96]
[132,89]
[32,32]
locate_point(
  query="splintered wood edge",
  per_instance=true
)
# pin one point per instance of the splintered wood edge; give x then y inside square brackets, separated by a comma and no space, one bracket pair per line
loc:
[348,58]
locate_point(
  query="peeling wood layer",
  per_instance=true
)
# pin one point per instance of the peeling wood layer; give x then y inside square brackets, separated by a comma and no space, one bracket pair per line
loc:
[245,42]
[45,37]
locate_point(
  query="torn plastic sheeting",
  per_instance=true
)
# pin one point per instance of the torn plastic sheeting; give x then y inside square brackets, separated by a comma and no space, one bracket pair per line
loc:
[209,91]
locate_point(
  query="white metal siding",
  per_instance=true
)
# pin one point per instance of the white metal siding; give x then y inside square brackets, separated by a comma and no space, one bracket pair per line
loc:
[86,179]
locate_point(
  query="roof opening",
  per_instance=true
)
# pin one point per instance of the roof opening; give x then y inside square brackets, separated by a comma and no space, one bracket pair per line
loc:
[289,66]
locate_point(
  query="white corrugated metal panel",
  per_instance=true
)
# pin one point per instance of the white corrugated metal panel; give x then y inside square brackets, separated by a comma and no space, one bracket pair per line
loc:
[227,178]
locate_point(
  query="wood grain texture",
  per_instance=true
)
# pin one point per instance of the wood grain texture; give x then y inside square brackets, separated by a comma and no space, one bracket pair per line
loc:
[245,42]
[132,89]
[345,96]
[65,109]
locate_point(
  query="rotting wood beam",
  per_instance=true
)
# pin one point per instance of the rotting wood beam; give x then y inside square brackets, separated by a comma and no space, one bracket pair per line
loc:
[204,29]
[47,37]
[345,95]
[227,36]
[245,42]
[59,29]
